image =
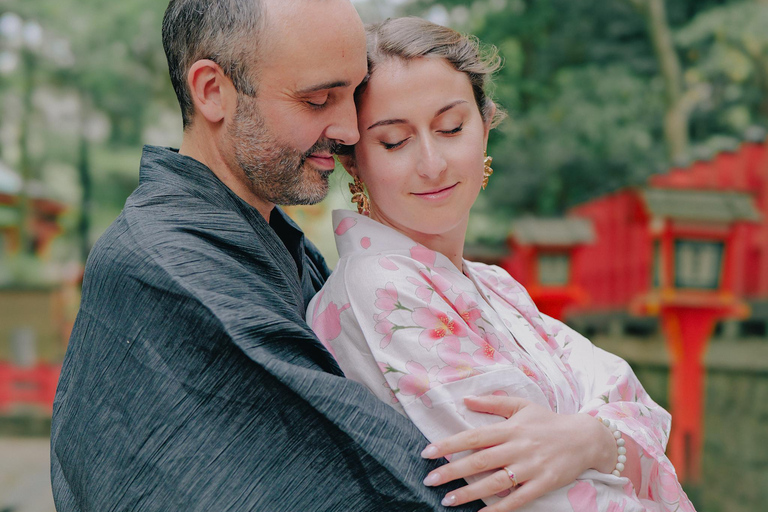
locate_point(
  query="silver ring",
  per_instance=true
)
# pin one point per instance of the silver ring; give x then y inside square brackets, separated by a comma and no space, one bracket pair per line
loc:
[512,477]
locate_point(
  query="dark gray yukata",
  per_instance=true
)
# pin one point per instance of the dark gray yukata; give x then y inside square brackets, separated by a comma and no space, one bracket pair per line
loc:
[192,383]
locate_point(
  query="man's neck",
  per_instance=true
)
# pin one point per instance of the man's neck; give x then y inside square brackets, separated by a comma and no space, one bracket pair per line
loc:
[203,147]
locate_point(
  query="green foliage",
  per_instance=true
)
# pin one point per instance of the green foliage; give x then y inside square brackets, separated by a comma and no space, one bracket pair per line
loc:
[580,82]
[582,85]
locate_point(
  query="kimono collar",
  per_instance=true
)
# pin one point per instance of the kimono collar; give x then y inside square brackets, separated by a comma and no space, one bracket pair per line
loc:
[166,166]
[357,233]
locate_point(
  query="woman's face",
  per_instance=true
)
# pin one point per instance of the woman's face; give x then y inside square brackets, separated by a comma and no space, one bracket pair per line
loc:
[421,147]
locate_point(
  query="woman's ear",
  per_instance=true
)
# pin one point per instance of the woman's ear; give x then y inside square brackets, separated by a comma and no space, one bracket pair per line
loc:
[212,92]
[489,121]
[348,162]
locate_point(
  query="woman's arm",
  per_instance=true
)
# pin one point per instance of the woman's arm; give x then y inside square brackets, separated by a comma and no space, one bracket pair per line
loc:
[608,388]
[433,347]
[545,450]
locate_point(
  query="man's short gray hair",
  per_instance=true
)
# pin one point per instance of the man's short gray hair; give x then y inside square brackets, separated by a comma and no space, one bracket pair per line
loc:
[227,32]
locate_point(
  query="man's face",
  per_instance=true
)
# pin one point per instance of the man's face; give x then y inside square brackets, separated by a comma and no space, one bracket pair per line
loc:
[284,139]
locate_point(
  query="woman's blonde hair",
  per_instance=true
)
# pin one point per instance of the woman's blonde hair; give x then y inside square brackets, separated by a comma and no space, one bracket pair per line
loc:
[410,38]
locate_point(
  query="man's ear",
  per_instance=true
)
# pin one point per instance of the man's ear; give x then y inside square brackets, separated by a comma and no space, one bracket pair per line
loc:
[212,92]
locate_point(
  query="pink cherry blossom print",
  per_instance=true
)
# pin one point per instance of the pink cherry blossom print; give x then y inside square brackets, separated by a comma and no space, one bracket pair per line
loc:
[438,327]
[345,225]
[423,290]
[387,368]
[490,350]
[664,487]
[469,311]
[417,382]
[387,263]
[424,255]
[327,325]
[627,389]
[365,242]
[429,284]
[386,298]
[583,497]
[460,365]
[387,328]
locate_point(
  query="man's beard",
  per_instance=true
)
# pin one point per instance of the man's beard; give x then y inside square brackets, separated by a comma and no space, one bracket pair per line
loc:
[277,173]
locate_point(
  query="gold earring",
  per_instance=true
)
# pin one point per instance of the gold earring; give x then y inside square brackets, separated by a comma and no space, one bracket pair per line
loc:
[487,171]
[359,197]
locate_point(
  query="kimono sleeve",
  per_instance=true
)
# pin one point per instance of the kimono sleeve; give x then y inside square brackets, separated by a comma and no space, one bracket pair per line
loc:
[610,389]
[423,327]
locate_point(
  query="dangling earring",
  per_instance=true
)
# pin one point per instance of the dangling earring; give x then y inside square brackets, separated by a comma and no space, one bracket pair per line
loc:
[358,196]
[487,171]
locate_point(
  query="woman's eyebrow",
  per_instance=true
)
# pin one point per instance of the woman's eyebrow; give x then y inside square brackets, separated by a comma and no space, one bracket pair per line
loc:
[449,107]
[387,122]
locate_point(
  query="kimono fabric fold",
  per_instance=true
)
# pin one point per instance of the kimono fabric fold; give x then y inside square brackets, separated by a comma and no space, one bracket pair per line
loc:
[422,334]
[191,381]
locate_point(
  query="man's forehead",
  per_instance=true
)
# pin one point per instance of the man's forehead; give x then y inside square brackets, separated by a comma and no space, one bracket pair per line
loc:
[319,45]
[285,14]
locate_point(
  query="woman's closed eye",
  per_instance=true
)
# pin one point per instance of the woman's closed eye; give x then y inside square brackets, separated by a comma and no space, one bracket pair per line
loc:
[454,131]
[393,145]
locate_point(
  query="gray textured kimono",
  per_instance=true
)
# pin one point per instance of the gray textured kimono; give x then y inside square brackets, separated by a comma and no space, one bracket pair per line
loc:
[192,382]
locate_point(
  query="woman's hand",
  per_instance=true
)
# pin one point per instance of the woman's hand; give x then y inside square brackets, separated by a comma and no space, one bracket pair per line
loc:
[543,449]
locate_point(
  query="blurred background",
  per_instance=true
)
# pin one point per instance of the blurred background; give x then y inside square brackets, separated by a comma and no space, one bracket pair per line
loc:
[630,196]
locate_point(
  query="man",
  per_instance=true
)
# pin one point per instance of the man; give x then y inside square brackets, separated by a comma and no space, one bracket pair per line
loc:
[191,381]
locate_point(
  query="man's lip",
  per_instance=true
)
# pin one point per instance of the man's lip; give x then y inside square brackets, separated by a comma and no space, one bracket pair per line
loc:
[327,162]
[435,191]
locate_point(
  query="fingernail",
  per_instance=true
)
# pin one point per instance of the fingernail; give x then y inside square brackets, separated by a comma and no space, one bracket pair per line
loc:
[449,500]
[429,452]
[432,479]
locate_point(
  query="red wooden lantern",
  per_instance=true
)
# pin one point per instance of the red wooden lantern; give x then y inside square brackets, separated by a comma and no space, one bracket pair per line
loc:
[693,234]
[546,260]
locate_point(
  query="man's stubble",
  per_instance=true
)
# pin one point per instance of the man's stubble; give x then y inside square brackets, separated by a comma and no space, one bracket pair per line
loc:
[276,172]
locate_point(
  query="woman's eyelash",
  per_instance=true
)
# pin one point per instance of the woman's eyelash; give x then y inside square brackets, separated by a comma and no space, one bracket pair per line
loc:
[387,145]
[455,130]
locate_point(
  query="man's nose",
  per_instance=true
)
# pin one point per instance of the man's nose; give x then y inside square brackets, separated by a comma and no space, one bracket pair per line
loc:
[343,127]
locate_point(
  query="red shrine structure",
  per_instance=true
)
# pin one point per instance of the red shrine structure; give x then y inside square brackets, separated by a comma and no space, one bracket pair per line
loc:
[690,247]
[547,261]
[25,380]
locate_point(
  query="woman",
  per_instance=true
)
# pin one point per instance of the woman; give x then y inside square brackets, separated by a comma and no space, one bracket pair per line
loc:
[424,329]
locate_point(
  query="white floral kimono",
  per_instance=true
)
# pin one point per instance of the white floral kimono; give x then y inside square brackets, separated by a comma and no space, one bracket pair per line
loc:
[422,335]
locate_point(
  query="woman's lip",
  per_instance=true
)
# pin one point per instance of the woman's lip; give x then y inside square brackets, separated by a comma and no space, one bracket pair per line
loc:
[437,193]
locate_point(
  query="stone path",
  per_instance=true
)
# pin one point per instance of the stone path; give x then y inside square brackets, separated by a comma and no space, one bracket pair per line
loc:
[24,475]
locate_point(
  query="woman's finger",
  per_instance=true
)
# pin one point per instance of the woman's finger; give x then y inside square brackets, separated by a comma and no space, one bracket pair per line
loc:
[495,483]
[504,406]
[474,439]
[478,462]
[522,495]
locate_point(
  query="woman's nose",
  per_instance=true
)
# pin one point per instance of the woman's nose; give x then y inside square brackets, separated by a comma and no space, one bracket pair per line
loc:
[433,162]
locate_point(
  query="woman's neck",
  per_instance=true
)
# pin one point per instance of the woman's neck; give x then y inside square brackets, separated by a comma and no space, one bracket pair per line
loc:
[450,243]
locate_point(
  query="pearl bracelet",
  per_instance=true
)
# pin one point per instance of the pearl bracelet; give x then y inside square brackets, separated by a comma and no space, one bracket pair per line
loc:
[622,458]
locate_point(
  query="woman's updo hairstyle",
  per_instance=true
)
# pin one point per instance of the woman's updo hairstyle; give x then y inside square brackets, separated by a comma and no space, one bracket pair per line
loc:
[410,38]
